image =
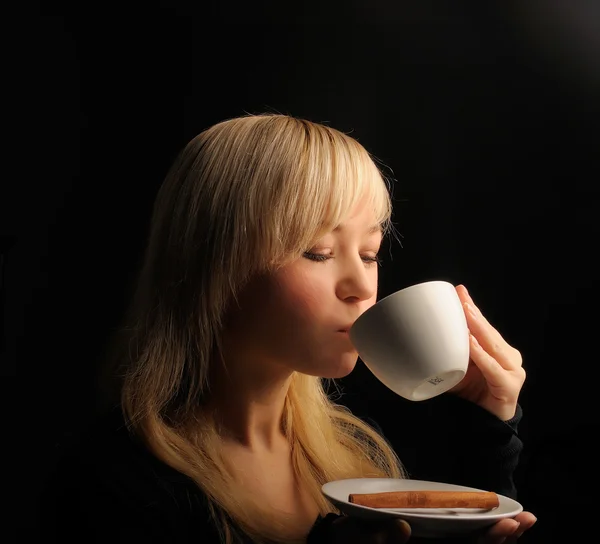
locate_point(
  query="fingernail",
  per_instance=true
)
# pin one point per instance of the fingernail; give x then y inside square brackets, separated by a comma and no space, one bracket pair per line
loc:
[471,310]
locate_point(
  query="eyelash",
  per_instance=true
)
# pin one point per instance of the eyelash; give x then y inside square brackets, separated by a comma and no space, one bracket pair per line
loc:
[322,258]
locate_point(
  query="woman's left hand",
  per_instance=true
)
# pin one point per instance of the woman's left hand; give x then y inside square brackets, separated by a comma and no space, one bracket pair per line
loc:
[508,530]
[495,375]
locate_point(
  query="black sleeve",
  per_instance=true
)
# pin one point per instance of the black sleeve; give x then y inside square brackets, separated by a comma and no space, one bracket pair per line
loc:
[455,441]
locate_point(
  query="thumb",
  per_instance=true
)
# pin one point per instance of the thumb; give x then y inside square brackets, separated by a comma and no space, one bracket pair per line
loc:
[399,532]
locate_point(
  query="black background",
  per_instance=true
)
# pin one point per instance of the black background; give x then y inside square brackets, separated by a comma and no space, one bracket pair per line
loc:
[487,115]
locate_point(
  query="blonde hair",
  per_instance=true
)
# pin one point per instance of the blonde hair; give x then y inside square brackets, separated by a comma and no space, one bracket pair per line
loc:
[243,197]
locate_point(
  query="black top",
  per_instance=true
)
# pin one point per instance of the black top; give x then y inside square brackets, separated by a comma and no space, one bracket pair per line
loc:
[107,488]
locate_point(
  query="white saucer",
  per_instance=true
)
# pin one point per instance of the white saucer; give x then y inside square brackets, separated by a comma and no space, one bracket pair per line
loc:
[424,522]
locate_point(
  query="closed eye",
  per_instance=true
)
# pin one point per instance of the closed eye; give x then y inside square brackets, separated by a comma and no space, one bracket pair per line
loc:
[316,256]
[372,260]
[319,257]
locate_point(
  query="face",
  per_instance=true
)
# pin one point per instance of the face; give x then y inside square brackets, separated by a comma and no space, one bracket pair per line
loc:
[298,318]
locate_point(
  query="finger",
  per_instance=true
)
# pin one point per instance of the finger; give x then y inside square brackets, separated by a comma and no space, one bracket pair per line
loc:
[399,532]
[525,517]
[492,371]
[491,340]
[526,521]
[494,336]
[499,532]
[463,294]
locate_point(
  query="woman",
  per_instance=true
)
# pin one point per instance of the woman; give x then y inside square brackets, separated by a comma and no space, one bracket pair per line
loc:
[263,247]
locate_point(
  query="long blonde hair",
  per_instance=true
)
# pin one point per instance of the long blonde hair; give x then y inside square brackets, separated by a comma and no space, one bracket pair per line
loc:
[243,197]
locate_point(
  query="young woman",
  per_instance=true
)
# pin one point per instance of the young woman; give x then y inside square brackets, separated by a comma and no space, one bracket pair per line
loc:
[262,252]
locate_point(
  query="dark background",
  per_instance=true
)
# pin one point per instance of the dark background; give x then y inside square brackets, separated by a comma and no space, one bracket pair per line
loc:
[486,113]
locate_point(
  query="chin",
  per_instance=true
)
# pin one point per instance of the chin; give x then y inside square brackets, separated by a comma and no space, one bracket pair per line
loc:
[340,370]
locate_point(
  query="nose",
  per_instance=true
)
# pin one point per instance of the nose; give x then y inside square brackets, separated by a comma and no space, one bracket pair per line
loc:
[357,282]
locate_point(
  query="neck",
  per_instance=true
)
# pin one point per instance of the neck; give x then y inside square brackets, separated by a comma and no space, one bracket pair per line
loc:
[247,401]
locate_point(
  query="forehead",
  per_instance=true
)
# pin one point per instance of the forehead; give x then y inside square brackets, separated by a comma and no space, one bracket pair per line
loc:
[362,219]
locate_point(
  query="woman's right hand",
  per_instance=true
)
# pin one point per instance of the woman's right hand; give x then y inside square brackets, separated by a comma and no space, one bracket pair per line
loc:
[351,530]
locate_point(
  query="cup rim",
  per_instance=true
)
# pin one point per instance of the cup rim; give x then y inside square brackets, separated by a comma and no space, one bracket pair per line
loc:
[411,287]
[403,290]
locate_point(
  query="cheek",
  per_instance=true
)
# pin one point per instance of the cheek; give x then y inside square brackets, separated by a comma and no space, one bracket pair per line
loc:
[300,299]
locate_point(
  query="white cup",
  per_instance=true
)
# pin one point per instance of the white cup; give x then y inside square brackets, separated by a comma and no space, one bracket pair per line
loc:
[416,340]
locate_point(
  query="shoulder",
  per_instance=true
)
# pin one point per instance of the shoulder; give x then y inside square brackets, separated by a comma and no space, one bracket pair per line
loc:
[108,481]
[108,454]
[108,449]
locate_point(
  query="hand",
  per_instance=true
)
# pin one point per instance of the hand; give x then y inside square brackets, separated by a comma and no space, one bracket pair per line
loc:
[495,375]
[507,531]
[351,530]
